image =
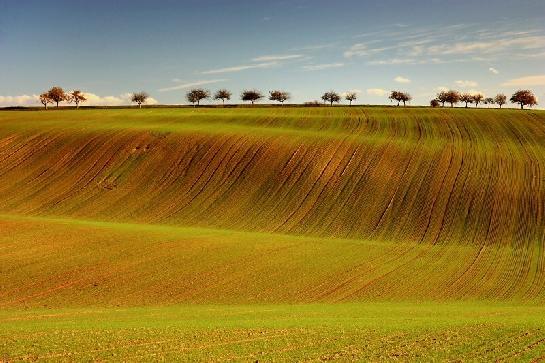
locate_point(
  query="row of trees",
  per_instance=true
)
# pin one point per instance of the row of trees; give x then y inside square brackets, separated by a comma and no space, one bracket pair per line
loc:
[521,97]
[57,95]
[196,95]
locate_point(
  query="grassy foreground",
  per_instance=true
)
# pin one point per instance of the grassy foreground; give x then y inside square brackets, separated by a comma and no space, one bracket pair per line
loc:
[362,331]
[272,234]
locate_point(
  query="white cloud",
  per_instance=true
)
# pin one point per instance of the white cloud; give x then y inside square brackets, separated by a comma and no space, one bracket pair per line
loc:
[442,89]
[538,80]
[377,92]
[356,91]
[190,84]
[466,84]
[493,70]
[319,67]
[269,58]
[121,100]
[240,68]
[401,79]
[23,100]
[92,100]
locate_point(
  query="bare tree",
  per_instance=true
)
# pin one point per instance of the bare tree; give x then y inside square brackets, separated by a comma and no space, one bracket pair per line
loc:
[500,99]
[488,101]
[222,95]
[331,97]
[139,98]
[442,97]
[56,94]
[77,97]
[524,98]
[196,95]
[45,99]
[435,103]
[251,95]
[351,96]
[477,98]
[466,98]
[452,97]
[280,96]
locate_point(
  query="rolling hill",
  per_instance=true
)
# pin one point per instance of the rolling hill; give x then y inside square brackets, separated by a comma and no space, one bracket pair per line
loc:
[333,216]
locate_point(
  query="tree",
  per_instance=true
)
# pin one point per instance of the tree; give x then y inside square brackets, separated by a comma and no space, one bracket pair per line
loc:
[524,98]
[467,98]
[500,99]
[400,96]
[488,101]
[477,98]
[222,95]
[280,96]
[405,97]
[45,100]
[139,98]
[351,96]
[442,97]
[251,95]
[77,97]
[56,94]
[452,97]
[331,97]
[196,95]
[435,103]
[396,96]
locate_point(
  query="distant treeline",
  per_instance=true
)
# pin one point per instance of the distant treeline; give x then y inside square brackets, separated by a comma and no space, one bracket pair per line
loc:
[194,96]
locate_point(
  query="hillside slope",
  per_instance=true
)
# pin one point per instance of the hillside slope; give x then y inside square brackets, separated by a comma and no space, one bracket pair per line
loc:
[271,205]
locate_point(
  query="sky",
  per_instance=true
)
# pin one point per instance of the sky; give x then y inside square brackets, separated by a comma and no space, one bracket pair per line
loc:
[109,49]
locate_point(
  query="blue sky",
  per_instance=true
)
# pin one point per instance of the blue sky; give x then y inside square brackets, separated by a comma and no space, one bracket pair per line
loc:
[111,48]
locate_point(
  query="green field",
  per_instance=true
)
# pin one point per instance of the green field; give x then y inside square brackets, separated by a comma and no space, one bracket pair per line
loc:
[287,234]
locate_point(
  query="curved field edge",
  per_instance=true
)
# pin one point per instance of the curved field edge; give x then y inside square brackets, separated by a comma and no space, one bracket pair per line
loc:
[57,263]
[316,332]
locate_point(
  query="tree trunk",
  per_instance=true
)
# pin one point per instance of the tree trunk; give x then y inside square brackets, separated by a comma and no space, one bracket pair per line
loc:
[403,103]
[522,106]
[139,105]
[57,104]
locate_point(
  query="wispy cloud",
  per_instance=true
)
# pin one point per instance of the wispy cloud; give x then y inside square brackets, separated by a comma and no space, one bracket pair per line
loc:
[466,84]
[493,70]
[190,84]
[320,67]
[363,49]
[401,79]
[270,58]
[538,80]
[377,92]
[240,68]
[313,47]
